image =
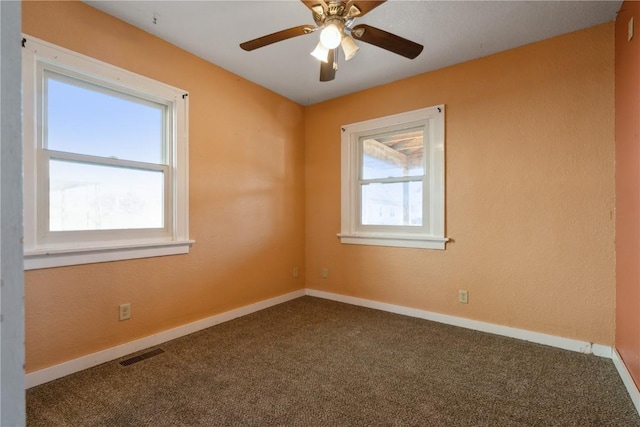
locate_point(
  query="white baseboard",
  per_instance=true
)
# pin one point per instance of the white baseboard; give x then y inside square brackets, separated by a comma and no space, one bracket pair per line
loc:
[627,379]
[58,371]
[536,337]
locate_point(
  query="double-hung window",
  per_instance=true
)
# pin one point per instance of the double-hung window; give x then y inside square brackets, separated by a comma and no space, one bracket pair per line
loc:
[105,161]
[393,180]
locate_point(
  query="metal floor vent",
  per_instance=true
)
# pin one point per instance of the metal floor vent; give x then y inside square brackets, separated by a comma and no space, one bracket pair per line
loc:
[140,357]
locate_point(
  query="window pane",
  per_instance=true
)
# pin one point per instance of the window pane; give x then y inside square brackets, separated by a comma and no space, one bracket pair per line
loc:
[398,203]
[96,197]
[87,119]
[393,155]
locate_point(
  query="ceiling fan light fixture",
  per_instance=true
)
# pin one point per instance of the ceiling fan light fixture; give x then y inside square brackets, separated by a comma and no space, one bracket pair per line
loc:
[321,52]
[349,47]
[331,36]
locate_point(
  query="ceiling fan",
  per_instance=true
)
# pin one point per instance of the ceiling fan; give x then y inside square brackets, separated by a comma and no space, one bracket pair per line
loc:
[335,19]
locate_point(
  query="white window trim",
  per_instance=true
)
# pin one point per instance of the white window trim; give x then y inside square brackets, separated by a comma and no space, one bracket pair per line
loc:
[351,231]
[119,245]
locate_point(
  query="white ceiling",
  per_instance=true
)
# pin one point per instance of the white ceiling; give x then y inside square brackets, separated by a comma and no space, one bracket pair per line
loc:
[451,32]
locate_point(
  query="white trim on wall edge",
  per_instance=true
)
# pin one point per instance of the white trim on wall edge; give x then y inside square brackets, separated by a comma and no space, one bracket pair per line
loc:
[63,369]
[627,379]
[476,325]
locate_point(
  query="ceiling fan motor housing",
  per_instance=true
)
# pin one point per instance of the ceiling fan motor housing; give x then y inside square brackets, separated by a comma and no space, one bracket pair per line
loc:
[335,10]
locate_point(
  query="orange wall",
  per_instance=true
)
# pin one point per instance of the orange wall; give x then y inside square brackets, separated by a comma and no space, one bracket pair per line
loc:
[530,184]
[246,207]
[627,78]
[529,196]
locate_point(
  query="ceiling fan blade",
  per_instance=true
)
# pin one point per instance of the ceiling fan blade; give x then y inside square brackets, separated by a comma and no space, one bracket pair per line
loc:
[365,6]
[311,4]
[277,37]
[385,40]
[327,70]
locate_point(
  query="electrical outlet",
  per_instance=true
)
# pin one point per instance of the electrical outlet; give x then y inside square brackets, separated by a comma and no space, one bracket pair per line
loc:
[463,296]
[125,311]
[295,271]
[325,273]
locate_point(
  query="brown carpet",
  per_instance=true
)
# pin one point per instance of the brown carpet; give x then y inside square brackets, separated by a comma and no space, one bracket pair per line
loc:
[311,362]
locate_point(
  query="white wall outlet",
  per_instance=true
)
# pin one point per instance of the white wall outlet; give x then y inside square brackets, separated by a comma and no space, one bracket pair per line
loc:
[325,273]
[125,311]
[463,296]
[295,271]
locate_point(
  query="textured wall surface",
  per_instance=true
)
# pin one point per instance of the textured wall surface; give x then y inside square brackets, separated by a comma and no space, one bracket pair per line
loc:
[628,189]
[246,202]
[529,191]
[529,201]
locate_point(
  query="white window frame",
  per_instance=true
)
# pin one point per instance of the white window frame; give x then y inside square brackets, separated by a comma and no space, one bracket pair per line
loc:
[44,249]
[431,234]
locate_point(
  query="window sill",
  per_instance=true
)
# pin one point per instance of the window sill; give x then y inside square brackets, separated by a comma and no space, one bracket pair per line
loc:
[401,241]
[49,258]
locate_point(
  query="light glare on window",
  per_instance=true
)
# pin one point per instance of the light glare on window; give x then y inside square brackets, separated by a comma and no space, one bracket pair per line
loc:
[97,197]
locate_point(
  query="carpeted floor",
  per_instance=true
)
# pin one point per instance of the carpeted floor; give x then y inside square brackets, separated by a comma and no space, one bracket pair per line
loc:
[312,362]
